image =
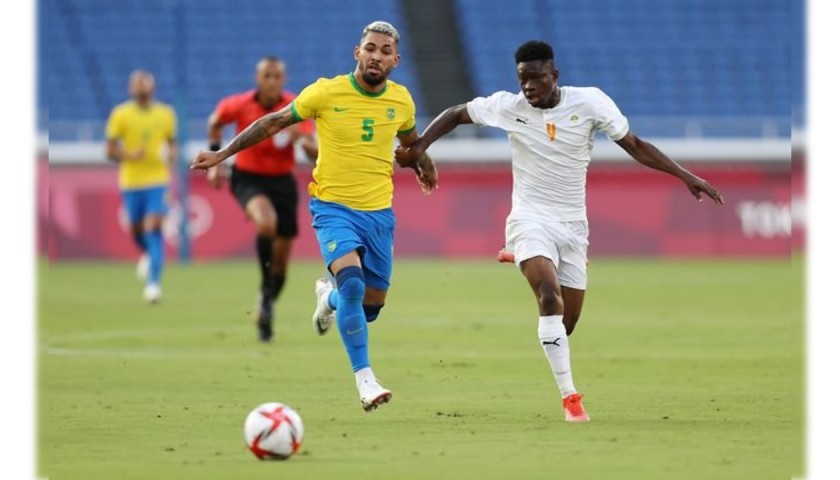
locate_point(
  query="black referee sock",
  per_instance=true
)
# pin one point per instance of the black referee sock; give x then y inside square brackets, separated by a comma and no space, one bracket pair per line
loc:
[277,282]
[264,252]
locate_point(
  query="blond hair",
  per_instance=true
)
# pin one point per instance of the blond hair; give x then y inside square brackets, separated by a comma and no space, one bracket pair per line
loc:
[382,27]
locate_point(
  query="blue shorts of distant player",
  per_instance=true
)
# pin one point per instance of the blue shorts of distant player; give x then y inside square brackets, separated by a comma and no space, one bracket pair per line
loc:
[142,202]
[341,230]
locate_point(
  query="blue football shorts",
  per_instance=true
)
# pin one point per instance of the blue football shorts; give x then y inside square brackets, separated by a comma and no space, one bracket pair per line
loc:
[340,230]
[142,202]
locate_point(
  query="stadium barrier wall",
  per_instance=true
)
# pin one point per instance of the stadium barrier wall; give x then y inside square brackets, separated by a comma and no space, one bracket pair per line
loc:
[632,211]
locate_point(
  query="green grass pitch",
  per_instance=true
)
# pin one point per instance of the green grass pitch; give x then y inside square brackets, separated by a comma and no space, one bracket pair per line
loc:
[691,369]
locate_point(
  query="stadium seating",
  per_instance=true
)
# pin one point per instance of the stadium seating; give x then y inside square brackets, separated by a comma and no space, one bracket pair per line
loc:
[210,47]
[701,58]
[687,58]
[797,61]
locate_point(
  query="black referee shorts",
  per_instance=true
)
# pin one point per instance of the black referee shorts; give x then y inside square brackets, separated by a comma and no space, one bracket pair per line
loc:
[281,191]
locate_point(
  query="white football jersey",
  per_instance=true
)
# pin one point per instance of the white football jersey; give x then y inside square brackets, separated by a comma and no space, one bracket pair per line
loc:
[550,147]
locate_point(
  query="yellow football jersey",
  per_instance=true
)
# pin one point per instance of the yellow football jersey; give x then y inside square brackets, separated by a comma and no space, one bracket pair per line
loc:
[356,132]
[150,129]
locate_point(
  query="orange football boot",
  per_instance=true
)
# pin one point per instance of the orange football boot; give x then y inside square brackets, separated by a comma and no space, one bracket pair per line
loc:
[573,404]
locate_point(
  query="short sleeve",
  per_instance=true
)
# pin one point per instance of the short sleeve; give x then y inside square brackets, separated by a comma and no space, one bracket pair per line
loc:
[114,129]
[487,111]
[310,101]
[226,110]
[410,122]
[608,118]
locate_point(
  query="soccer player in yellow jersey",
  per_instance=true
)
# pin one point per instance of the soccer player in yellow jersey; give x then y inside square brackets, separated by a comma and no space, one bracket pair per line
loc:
[141,138]
[358,115]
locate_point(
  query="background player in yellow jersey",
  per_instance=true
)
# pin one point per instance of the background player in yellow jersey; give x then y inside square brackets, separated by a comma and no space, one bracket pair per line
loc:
[358,115]
[141,138]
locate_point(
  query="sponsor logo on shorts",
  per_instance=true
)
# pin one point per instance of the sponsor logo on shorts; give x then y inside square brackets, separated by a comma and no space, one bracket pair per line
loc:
[331,246]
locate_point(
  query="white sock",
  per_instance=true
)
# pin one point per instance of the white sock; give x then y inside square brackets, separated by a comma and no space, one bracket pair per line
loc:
[555,344]
[364,374]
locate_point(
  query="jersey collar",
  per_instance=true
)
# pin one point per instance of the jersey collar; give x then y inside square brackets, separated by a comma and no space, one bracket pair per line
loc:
[559,103]
[362,90]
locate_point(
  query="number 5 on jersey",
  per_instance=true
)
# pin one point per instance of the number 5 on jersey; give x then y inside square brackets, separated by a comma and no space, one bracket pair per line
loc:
[367,126]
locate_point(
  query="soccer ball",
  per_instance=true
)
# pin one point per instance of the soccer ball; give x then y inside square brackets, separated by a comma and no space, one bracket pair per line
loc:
[273,431]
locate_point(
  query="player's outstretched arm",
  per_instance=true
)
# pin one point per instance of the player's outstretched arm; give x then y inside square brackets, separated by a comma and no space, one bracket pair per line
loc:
[258,131]
[409,155]
[648,155]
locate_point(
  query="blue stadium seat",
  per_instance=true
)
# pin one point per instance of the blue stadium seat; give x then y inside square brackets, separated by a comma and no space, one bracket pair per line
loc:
[689,58]
[95,44]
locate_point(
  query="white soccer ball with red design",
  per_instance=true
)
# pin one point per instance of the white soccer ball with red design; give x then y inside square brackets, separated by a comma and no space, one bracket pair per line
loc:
[273,431]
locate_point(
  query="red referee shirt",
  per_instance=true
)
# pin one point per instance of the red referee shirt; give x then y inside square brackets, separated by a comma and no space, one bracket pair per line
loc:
[272,156]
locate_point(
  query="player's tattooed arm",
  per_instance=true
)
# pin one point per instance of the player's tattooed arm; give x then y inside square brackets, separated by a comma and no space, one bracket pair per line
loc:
[427,173]
[258,131]
[423,165]
[648,155]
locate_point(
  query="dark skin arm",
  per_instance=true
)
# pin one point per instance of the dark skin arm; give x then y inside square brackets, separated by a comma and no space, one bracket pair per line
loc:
[258,131]
[215,128]
[641,151]
[411,154]
[214,134]
[421,163]
[648,155]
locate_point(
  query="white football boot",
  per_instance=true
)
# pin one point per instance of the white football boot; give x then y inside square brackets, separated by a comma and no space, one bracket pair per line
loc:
[372,394]
[324,316]
[152,293]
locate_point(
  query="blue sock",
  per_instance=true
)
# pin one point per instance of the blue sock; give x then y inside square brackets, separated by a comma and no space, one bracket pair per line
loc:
[351,317]
[154,247]
[332,300]
[139,240]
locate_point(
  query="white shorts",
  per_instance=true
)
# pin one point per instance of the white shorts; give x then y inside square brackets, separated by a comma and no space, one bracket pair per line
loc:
[565,243]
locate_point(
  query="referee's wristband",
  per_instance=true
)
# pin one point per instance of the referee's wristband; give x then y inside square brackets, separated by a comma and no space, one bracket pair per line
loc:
[215,147]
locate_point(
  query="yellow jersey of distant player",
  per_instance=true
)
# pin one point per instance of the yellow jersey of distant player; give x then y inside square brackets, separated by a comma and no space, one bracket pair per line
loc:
[356,132]
[150,128]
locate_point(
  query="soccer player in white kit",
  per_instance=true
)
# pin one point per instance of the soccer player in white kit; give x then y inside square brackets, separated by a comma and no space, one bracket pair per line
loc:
[551,129]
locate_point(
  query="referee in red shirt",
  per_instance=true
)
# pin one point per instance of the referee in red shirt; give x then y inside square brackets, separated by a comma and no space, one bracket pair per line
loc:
[261,178]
